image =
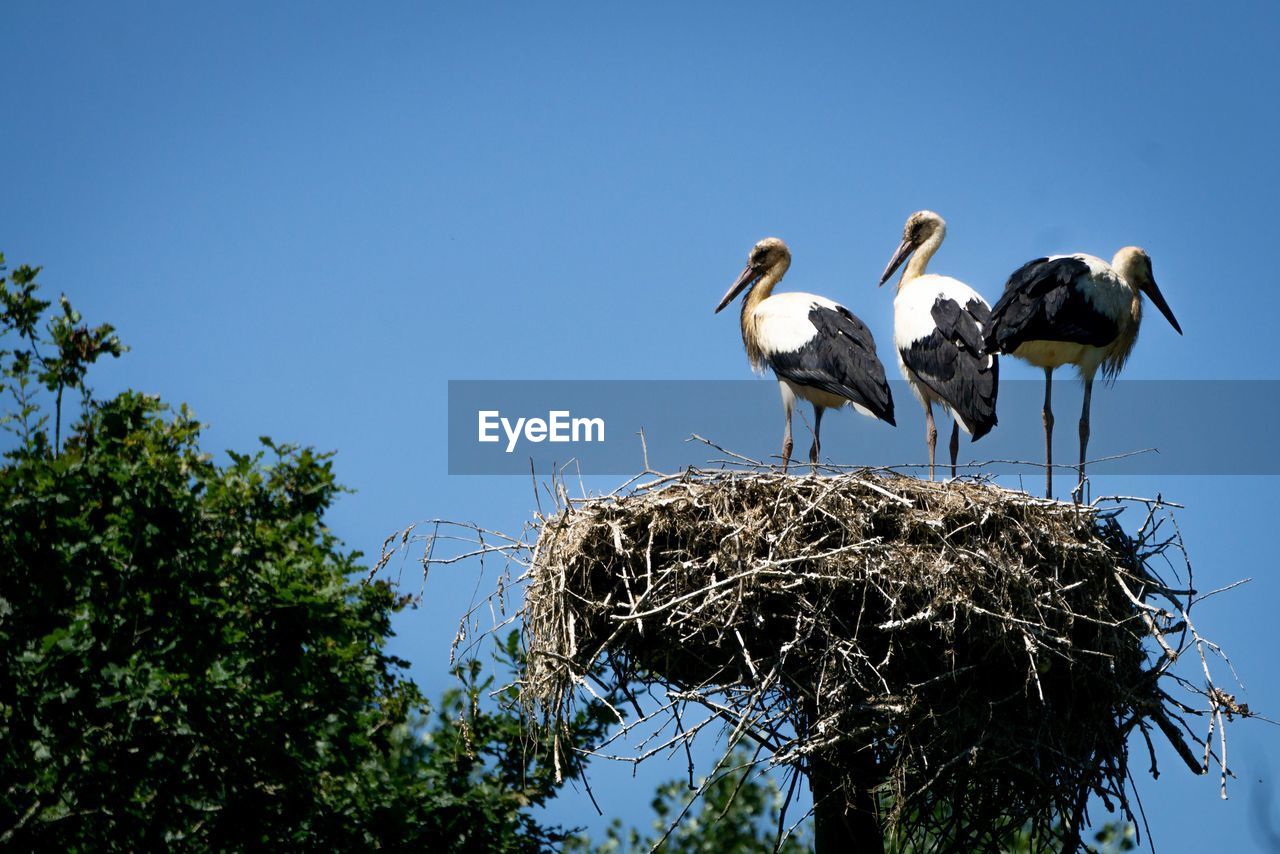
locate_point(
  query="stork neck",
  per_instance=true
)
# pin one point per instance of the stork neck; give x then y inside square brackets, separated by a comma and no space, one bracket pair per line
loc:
[762,289]
[920,260]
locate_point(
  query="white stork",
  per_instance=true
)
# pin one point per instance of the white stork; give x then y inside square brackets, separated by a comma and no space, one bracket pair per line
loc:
[1074,310]
[817,349]
[937,332]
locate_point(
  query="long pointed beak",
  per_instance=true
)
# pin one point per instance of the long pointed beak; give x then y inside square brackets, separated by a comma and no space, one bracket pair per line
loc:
[748,275]
[904,249]
[1158,298]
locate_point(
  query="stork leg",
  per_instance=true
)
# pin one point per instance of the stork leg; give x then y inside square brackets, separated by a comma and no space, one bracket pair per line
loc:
[930,435]
[787,403]
[1078,493]
[817,429]
[1047,415]
[786,443]
[955,446]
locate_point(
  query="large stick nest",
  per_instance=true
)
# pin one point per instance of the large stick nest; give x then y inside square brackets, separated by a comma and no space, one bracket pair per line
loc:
[977,656]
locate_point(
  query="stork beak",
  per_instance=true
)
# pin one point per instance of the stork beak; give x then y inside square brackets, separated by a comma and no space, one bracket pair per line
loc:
[904,249]
[1158,298]
[749,274]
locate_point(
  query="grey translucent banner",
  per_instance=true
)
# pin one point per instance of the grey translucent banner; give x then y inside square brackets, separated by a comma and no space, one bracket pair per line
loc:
[1211,427]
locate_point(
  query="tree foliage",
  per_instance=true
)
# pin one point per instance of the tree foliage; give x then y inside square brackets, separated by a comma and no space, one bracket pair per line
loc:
[184,655]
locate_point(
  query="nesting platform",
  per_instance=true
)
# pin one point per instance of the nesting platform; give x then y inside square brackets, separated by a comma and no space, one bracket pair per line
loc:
[968,657]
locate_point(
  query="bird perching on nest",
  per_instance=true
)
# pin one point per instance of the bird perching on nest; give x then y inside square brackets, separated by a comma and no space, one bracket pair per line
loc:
[937,333]
[818,349]
[1074,310]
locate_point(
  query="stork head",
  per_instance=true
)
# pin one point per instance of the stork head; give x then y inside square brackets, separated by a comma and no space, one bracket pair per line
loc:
[1134,265]
[920,227]
[770,255]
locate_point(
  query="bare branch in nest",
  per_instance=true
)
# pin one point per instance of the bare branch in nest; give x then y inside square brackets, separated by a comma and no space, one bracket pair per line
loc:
[973,658]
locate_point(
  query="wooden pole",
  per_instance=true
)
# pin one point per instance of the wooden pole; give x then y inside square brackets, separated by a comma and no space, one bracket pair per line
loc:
[845,818]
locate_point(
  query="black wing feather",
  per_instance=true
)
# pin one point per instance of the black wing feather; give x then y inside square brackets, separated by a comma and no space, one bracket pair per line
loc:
[953,362]
[840,359]
[1043,301]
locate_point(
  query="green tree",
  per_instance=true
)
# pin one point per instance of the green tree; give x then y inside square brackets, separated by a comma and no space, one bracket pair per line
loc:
[181,655]
[185,657]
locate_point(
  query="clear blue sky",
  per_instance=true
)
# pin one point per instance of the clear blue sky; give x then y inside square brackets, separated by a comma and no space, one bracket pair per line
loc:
[306,217]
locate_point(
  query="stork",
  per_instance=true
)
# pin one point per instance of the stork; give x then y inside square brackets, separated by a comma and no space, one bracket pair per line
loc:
[1074,310]
[816,348]
[937,333]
